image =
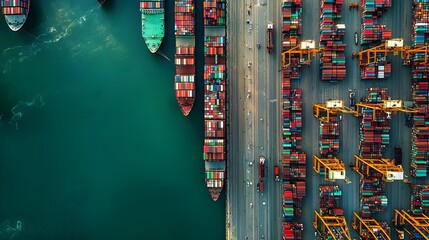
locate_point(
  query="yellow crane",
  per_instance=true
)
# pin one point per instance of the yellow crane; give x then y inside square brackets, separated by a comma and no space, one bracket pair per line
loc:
[369,225]
[303,51]
[330,107]
[372,55]
[353,5]
[334,168]
[333,226]
[384,166]
[395,46]
[387,106]
[408,55]
[405,221]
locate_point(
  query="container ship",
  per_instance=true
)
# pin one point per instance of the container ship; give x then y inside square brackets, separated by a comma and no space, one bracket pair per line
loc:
[15,12]
[152,23]
[184,80]
[214,95]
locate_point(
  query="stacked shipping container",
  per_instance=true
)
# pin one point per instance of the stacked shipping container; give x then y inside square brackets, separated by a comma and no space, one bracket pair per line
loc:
[294,172]
[292,230]
[420,91]
[214,93]
[332,58]
[374,134]
[329,201]
[372,195]
[329,144]
[184,80]
[420,199]
[15,7]
[374,33]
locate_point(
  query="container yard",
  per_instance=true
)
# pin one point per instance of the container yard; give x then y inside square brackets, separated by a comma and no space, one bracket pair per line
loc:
[373,130]
[360,70]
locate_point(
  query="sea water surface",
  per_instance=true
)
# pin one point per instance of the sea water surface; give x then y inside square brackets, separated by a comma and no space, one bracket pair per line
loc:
[93,144]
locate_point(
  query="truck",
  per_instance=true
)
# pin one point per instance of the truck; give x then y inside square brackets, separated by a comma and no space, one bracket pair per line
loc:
[276,173]
[398,156]
[261,185]
[270,28]
[261,167]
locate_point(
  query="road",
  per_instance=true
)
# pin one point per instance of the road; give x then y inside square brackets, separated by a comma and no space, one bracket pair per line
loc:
[250,137]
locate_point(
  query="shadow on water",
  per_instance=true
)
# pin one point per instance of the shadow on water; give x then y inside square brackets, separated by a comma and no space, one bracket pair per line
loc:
[108,6]
[35,18]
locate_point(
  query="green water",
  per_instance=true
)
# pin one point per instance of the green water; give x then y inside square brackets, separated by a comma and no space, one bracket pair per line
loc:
[93,144]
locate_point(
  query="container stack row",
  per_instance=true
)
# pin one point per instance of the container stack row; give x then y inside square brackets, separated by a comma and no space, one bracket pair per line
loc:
[372,195]
[329,200]
[214,12]
[372,31]
[372,34]
[329,143]
[15,7]
[420,199]
[377,95]
[293,158]
[421,22]
[330,205]
[215,93]
[420,91]
[374,134]
[292,17]
[332,58]
[292,230]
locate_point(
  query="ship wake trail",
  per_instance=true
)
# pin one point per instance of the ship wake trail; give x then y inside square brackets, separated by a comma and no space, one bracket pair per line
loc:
[19,109]
[7,229]
[162,54]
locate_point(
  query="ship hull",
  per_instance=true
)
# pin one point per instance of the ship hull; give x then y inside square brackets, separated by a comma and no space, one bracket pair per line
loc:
[184,80]
[16,21]
[214,152]
[153,27]
[186,105]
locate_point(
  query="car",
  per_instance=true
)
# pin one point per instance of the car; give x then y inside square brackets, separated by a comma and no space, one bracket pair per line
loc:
[356,38]
[258,45]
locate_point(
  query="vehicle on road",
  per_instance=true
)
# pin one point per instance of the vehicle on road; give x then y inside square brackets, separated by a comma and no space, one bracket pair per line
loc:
[356,38]
[261,186]
[398,155]
[270,44]
[352,96]
[261,167]
[258,45]
[276,173]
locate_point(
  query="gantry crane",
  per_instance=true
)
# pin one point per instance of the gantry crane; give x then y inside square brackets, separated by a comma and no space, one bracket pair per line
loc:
[371,55]
[334,168]
[304,51]
[331,107]
[408,55]
[395,46]
[331,227]
[419,223]
[385,166]
[388,106]
[353,5]
[369,225]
